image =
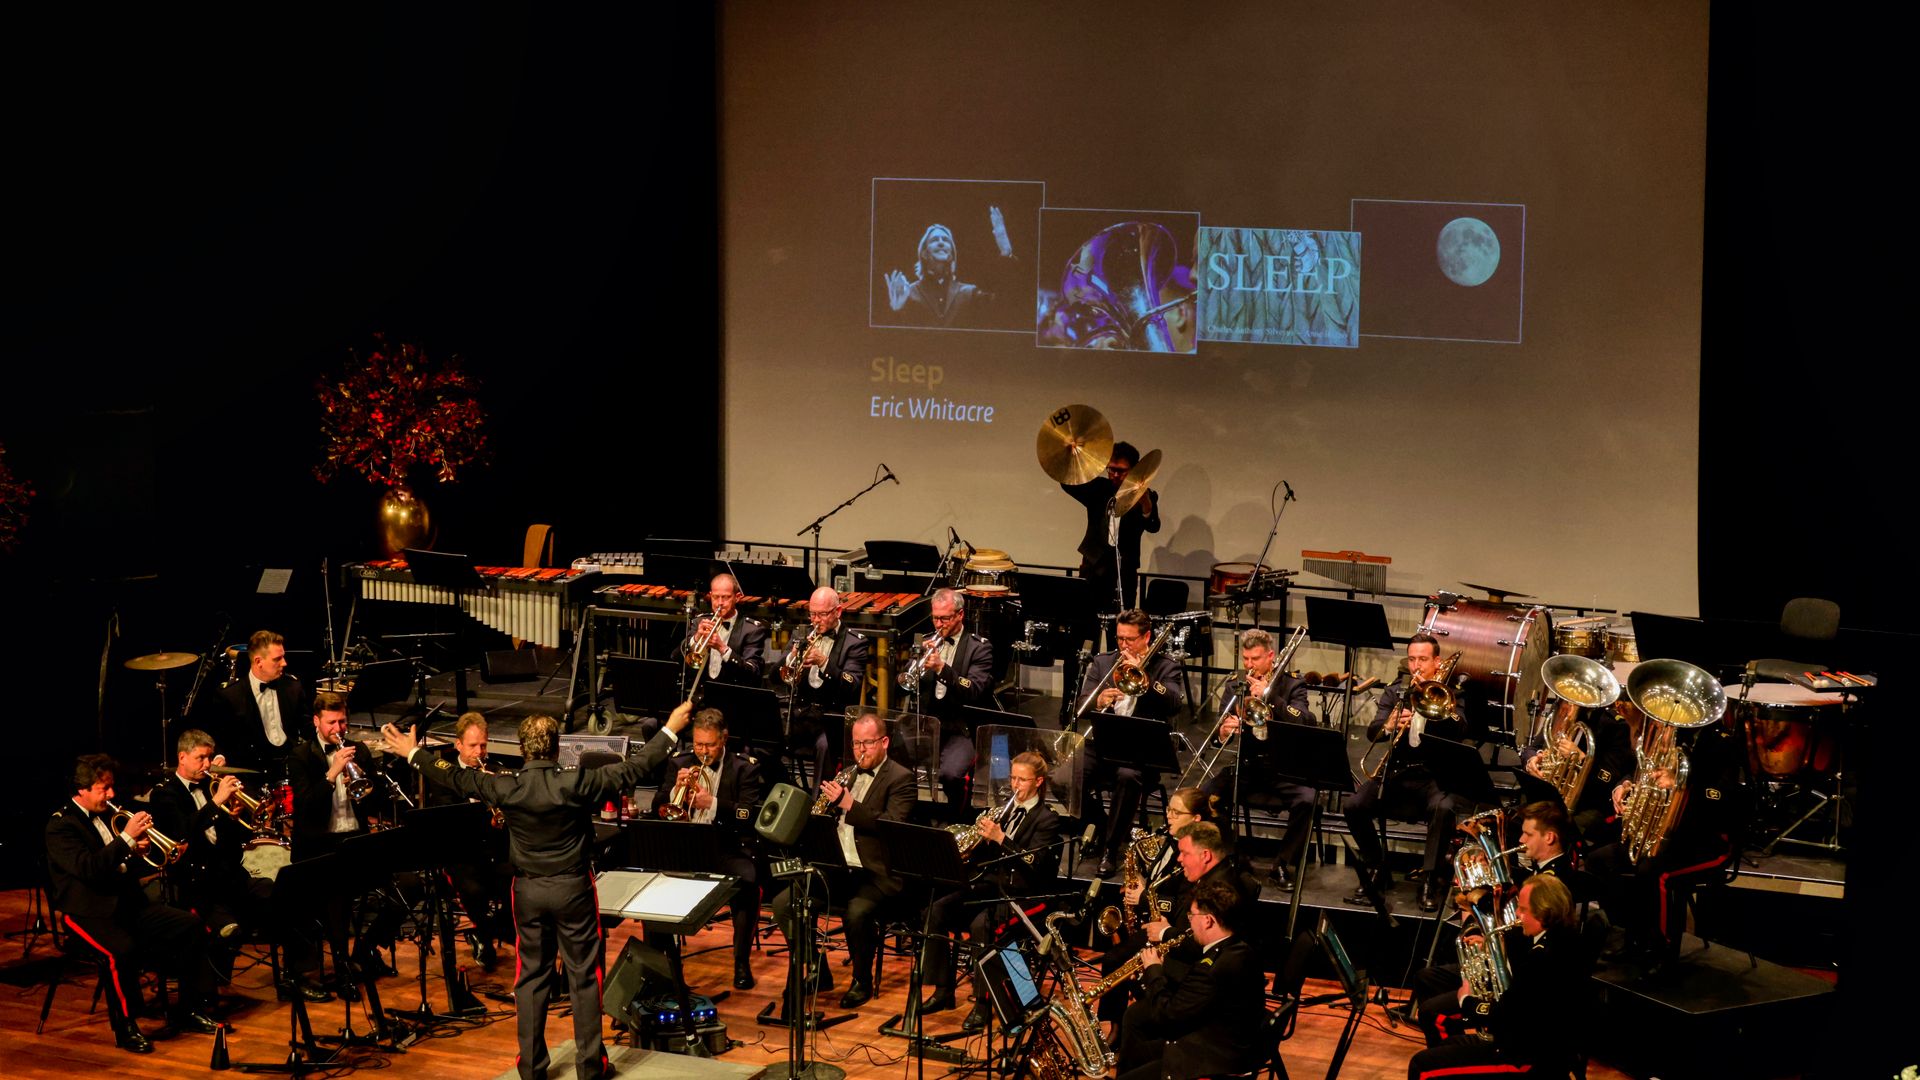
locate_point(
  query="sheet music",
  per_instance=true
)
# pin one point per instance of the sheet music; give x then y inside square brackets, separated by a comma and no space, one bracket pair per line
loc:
[617,888]
[646,895]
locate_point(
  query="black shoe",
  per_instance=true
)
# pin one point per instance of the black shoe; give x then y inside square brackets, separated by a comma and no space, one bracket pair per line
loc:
[192,1020]
[288,989]
[742,975]
[485,956]
[1430,895]
[976,1018]
[857,995]
[1278,875]
[127,1037]
[1358,898]
[370,964]
[1106,866]
[939,1001]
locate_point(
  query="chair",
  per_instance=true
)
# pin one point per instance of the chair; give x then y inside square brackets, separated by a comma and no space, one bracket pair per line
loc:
[537,549]
[1165,596]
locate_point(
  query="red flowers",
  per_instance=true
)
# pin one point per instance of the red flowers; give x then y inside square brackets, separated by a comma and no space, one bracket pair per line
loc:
[396,409]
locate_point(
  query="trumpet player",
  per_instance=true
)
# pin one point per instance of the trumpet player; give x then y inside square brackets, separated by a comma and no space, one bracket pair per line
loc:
[1529,1021]
[723,789]
[1164,696]
[94,867]
[483,886]
[875,788]
[828,675]
[209,879]
[1405,789]
[957,672]
[1285,698]
[735,645]
[1025,827]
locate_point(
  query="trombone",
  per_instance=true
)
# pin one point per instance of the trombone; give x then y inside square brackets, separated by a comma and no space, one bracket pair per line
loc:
[1429,700]
[1255,711]
[165,847]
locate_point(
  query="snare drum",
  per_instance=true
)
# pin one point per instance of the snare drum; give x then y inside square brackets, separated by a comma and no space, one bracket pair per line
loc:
[1621,646]
[1792,733]
[265,856]
[1589,641]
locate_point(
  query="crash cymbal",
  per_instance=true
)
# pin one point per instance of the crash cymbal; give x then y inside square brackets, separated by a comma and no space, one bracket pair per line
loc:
[1135,485]
[1496,595]
[163,661]
[232,770]
[1074,444]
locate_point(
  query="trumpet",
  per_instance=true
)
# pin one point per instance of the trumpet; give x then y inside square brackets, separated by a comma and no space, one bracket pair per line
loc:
[680,804]
[821,805]
[796,658]
[1430,700]
[910,676]
[167,849]
[697,651]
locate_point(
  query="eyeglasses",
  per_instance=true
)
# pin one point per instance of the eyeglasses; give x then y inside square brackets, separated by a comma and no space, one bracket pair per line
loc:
[862,744]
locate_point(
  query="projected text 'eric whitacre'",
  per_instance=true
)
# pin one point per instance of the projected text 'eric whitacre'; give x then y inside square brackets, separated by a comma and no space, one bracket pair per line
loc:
[914,405]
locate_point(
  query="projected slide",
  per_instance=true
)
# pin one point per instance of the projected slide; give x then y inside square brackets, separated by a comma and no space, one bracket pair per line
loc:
[1126,280]
[954,254]
[1280,286]
[1446,270]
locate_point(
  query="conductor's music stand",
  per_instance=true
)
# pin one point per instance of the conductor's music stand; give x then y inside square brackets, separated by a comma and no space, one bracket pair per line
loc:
[672,904]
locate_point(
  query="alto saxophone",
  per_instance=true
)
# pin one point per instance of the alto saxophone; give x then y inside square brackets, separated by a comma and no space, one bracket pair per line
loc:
[821,804]
[1124,917]
[1133,966]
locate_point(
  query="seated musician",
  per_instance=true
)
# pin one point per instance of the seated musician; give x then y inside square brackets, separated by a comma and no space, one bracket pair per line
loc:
[1528,1021]
[738,653]
[959,673]
[1205,1019]
[94,873]
[1156,861]
[710,785]
[1407,790]
[1592,821]
[876,789]
[209,879]
[1286,696]
[1161,699]
[1205,854]
[325,814]
[266,711]
[484,886]
[1027,825]
[1640,896]
[829,668]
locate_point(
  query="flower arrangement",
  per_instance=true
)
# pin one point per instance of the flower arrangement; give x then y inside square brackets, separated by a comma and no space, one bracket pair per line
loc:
[395,410]
[14,496]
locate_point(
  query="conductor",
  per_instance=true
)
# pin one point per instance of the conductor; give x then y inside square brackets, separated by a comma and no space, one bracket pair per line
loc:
[549,832]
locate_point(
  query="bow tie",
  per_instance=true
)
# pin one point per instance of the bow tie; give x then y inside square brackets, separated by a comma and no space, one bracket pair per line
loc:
[865,772]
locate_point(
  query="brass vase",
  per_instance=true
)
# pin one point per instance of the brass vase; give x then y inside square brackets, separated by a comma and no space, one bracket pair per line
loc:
[404,521]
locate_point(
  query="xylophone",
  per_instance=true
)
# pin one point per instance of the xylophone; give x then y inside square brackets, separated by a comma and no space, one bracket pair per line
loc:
[533,603]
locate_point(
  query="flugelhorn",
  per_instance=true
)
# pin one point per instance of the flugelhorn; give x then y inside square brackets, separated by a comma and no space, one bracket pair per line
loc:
[245,809]
[167,848]
[796,658]
[680,804]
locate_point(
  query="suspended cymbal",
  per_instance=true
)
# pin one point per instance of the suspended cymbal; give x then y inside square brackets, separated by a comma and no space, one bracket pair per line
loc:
[1496,595]
[1135,485]
[1074,444]
[163,661]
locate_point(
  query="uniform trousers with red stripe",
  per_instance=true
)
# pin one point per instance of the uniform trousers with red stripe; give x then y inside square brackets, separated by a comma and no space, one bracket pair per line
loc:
[1469,1059]
[143,935]
[558,916]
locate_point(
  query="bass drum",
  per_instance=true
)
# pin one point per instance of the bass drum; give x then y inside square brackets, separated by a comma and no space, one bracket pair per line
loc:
[1501,648]
[265,856]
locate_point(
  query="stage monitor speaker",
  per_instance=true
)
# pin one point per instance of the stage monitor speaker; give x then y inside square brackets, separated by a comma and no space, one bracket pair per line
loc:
[642,971]
[783,817]
[509,665]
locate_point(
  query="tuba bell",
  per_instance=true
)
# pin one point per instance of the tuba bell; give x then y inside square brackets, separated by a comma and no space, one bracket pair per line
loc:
[1572,684]
[1675,696]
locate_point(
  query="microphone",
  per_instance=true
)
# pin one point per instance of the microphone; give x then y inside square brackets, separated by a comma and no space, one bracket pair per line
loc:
[1289,488]
[889,475]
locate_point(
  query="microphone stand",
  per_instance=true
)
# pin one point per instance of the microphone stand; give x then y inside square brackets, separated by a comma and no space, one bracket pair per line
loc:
[813,559]
[1261,560]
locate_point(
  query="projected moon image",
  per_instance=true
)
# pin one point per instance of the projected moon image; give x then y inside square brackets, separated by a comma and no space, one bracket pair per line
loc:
[1468,252]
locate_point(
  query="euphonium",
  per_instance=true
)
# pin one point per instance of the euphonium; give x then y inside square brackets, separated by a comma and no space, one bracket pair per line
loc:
[796,657]
[821,805]
[1075,1028]
[1133,965]
[1675,696]
[910,677]
[1573,683]
[697,652]
[1483,963]
[167,849]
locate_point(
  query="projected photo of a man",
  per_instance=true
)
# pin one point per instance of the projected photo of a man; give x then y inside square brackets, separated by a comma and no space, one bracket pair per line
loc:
[934,221]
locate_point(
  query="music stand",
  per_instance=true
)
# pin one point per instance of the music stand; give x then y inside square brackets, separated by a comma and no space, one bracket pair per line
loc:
[645,686]
[439,837]
[312,882]
[931,856]
[445,569]
[752,712]
[1353,625]
[678,903]
[1317,757]
[774,582]
[678,572]
[673,846]
[904,555]
[380,683]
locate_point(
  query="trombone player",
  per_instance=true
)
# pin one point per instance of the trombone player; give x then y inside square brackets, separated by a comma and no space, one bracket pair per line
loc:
[1403,787]
[1161,697]
[1262,688]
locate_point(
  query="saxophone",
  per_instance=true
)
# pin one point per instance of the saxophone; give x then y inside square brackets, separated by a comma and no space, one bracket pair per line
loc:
[1072,1041]
[821,805]
[1123,917]
[1133,966]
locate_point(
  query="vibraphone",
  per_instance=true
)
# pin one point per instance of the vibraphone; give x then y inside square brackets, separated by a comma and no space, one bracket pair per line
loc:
[537,604]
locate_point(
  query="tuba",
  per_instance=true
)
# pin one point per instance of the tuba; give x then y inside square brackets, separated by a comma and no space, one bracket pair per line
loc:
[1573,683]
[1675,696]
[164,852]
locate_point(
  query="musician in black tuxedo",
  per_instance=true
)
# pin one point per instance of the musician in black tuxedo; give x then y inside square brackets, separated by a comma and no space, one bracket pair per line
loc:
[1100,542]
[94,873]
[739,651]
[958,674]
[325,814]
[1286,699]
[483,886]
[726,790]
[265,712]
[1205,1020]
[830,675]
[1205,854]
[1407,790]
[1162,698]
[878,789]
[1019,859]
[549,812]
[1529,1023]
[209,879]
